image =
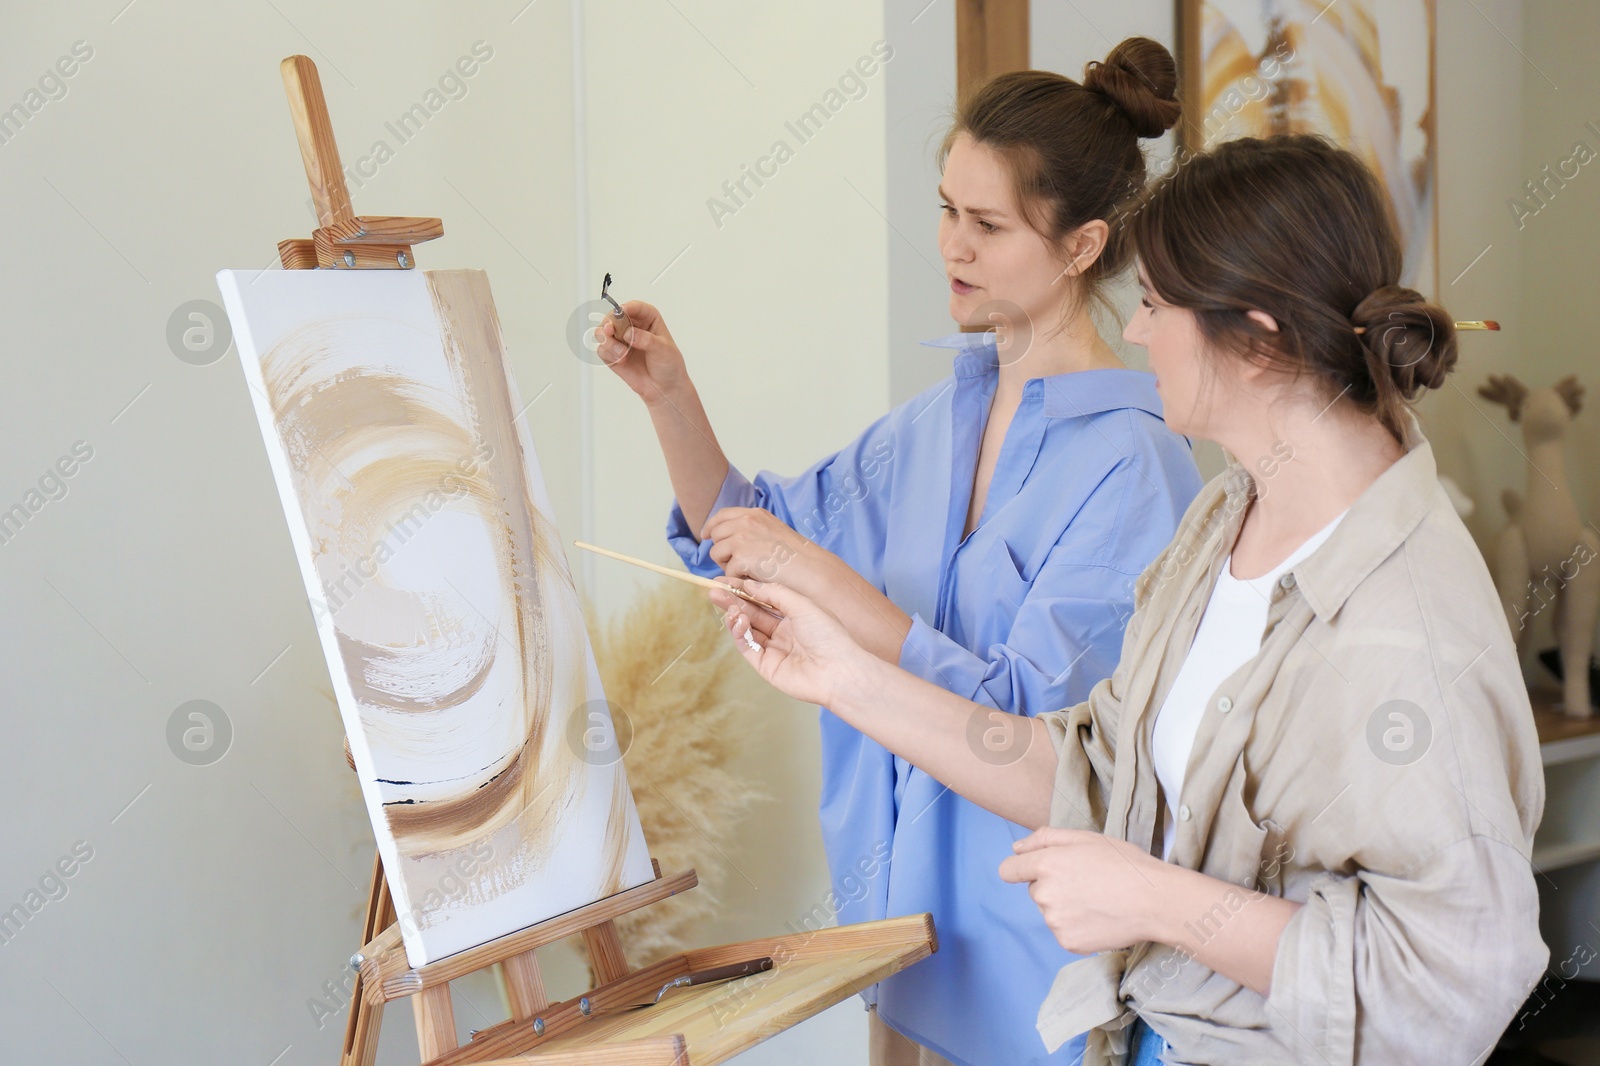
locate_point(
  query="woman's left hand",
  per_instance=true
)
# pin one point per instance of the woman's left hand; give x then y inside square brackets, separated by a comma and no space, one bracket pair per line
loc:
[748,542]
[751,542]
[1096,893]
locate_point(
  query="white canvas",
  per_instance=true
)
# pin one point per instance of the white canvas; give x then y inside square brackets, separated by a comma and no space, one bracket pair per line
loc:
[442,597]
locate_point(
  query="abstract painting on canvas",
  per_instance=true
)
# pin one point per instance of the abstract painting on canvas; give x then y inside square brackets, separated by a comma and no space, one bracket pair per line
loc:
[442,597]
[1360,72]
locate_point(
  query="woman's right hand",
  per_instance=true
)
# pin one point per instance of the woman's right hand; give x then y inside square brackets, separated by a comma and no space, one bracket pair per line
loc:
[806,652]
[648,359]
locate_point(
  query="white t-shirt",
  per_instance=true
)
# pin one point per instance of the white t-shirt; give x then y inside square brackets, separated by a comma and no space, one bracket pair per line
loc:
[1229,636]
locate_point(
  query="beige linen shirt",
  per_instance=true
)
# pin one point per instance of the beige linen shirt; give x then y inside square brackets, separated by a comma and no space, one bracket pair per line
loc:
[1375,761]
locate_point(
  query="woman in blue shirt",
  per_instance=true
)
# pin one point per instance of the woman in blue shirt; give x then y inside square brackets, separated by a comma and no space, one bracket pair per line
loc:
[984,535]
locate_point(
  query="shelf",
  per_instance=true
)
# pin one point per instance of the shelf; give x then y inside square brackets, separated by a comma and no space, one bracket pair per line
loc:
[1562,739]
[709,1024]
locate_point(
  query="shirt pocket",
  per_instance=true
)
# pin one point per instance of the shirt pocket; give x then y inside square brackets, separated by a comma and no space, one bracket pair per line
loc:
[1249,853]
[1277,853]
[1001,582]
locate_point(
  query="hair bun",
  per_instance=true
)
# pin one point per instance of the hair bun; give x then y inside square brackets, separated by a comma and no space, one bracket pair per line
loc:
[1409,340]
[1140,78]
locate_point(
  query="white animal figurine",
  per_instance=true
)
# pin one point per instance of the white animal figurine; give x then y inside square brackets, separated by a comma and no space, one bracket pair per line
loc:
[1547,555]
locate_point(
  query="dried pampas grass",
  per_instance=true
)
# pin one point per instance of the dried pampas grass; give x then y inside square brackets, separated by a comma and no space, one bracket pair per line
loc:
[667,664]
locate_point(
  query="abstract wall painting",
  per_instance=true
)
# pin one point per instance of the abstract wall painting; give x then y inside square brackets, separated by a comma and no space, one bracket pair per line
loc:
[1360,72]
[442,596]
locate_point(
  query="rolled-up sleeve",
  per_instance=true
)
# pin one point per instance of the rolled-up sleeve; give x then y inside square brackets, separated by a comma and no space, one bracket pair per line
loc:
[736,491]
[1434,961]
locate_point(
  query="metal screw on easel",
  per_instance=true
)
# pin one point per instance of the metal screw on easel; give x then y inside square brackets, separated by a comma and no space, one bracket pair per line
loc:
[404,260]
[349,259]
[538,1027]
[356,960]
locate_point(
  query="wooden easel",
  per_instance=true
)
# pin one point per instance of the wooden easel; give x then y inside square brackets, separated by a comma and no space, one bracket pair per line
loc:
[341,241]
[698,1026]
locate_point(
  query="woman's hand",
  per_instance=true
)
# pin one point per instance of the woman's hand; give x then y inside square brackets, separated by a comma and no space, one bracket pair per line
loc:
[648,359]
[1096,893]
[805,652]
[748,542]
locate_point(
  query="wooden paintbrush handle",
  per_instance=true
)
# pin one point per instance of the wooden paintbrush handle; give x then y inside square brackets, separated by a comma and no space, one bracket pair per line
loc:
[667,571]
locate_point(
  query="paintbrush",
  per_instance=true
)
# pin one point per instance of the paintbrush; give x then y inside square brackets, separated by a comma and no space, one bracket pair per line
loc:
[693,579]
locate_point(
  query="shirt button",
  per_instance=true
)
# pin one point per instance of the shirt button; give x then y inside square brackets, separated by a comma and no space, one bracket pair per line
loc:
[1287,581]
[1183,813]
[1224,705]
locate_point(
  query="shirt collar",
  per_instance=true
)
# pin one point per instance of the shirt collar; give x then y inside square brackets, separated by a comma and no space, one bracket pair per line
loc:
[975,358]
[1377,523]
[1072,395]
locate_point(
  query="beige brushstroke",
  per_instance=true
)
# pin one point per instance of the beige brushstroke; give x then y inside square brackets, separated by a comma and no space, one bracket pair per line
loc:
[397,441]
[414,449]
[396,444]
[618,824]
[550,626]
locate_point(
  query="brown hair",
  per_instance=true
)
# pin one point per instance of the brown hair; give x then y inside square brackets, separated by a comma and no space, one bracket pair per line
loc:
[1073,149]
[1299,228]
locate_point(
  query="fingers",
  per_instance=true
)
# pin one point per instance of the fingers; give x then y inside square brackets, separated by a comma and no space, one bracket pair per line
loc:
[1021,868]
[611,353]
[763,621]
[733,604]
[614,351]
[739,625]
[1050,837]
[722,522]
[640,339]
[784,598]
[643,315]
[608,347]
[640,336]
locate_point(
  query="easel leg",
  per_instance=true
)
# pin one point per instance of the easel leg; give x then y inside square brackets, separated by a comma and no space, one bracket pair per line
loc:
[361,1029]
[524,986]
[436,1021]
[605,952]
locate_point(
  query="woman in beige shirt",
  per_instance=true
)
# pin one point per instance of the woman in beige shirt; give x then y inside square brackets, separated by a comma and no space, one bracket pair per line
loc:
[1349,877]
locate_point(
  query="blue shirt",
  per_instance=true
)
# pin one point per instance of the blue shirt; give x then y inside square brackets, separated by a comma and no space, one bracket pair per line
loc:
[1024,615]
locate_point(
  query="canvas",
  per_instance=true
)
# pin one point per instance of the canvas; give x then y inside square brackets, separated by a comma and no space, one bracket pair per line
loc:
[442,597]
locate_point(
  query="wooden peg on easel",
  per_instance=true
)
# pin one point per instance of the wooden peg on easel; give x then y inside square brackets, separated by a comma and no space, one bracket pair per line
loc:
[342,240]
